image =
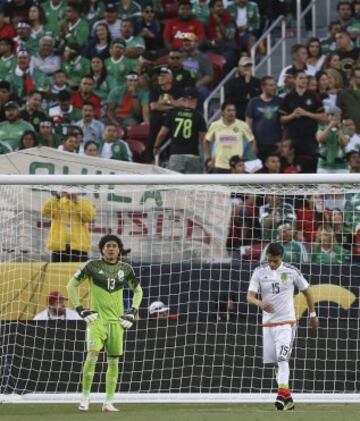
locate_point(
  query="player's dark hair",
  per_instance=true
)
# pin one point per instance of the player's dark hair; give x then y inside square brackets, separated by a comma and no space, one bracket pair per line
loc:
[109,237]
[275,249]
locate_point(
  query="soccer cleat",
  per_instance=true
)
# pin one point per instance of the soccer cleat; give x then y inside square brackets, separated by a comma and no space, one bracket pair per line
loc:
[280,403]
[289,404]
[109,407]
[84,405]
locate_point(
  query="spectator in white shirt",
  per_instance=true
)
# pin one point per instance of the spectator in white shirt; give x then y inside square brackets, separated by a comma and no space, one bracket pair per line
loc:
[93,129]
[46,61]
[56,309]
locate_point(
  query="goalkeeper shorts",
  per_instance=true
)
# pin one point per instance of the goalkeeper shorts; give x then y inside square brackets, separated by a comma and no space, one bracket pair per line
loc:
[278,343]
[103,334]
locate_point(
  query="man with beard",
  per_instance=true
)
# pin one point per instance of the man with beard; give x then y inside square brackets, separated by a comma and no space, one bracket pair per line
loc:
[185,23]
[13,127]
[56,309]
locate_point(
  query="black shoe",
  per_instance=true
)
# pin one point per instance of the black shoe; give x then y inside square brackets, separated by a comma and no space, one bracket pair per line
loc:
[280,403]
[289,404]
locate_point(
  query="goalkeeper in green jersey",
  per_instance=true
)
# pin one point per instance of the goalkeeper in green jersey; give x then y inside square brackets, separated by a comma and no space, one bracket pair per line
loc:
[106,318]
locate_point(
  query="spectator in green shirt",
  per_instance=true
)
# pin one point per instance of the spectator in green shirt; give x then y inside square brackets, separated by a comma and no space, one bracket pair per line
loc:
[54,13]
[326,250]
[332,141]
[74,28]
[295,251]
[103,83]
[24,41]
[113,147]
[129,104]
[13,127]
[47,135]
[118,66]
[201,10]
[135,46]
[74,65]
[26,79]
[7,59]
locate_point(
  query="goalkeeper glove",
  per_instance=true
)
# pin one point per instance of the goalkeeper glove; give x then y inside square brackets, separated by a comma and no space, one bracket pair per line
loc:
[128,318]
[86,314]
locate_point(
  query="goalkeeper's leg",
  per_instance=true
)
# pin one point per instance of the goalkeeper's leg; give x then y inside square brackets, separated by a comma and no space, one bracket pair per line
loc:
[87,378]
[114,348]
[112,374]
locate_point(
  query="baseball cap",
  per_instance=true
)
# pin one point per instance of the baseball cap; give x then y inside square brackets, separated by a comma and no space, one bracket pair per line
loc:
[55,296]
[111,7]
[158,307]
[190,93]
[11,104]
[165,70]
[119,41]
[245,61]
[190,36]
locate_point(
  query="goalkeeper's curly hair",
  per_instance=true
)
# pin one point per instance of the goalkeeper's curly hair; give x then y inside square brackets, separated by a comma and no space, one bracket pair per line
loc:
[110,237]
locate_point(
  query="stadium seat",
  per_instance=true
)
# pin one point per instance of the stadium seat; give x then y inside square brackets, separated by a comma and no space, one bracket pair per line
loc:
[170,8]
[139,132]
[121,132]
[162,60]
[137,149]
[218,63]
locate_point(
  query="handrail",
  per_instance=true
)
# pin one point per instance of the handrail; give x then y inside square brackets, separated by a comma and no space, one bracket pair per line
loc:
[269,48]
[300,15]
[267,34]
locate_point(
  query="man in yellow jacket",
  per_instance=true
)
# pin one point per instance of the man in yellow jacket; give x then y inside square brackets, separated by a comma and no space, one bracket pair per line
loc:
[69,238]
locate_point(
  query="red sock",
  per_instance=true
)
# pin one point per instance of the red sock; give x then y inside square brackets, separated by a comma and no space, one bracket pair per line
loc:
[285,393]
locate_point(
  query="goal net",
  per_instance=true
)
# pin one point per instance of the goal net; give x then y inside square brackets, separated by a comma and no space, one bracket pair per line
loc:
[193,248]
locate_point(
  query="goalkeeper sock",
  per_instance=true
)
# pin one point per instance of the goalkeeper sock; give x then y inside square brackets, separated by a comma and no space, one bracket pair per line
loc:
[112,374]
[88,374]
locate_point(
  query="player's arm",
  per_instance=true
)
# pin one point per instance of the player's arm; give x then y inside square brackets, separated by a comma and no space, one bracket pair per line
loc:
[252,294]
[128,318]
[313,319]
[162,135]
[251,298]
[72,289]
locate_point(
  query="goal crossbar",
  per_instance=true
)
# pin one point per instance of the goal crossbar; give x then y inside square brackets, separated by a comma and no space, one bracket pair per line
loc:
[229,179]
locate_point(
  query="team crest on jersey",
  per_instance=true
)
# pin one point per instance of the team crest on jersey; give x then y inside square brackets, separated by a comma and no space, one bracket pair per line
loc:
[121,275]
[284,277]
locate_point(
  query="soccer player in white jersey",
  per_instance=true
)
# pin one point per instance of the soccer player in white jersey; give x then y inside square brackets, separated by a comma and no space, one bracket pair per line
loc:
[274,281]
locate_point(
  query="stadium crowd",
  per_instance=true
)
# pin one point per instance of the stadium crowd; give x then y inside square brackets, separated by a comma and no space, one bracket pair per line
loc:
[121,79]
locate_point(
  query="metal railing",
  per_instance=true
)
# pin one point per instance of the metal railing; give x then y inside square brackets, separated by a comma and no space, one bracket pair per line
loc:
[280,21]
[219,91]
[311,6]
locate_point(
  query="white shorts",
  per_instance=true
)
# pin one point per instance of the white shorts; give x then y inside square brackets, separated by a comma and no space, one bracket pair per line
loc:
[278,342]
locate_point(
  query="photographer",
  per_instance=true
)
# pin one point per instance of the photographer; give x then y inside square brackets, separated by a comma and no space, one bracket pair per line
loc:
[332,141]
[69,237]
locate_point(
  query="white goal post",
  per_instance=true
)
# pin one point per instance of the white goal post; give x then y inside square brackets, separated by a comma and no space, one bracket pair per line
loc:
[194,240]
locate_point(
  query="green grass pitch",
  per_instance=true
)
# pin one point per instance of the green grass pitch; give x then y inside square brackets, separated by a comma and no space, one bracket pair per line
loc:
[182,412]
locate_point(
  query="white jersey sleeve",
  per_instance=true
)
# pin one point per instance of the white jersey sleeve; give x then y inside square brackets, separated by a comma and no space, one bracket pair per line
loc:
[254,284]
[301,283]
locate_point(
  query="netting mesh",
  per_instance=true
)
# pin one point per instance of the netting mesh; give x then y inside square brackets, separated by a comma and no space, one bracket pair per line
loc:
[194,249]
